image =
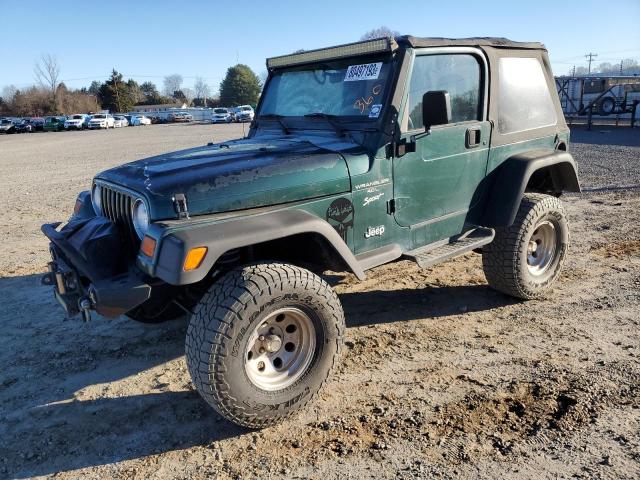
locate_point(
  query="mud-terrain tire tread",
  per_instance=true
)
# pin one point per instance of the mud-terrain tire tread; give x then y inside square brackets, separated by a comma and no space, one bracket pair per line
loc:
[207,341]
[500,258]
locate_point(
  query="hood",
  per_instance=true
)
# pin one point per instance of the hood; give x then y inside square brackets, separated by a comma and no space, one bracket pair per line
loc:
[234,176]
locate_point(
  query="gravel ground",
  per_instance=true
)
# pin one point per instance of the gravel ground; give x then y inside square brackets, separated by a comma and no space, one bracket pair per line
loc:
[609,158]
[442,377]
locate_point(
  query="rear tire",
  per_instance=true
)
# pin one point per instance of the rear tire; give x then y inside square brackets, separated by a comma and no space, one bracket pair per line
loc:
[525,259]
[262,342]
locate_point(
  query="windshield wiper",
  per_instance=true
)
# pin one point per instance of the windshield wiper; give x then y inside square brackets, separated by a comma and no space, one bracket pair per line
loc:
[331,120]
[277,118]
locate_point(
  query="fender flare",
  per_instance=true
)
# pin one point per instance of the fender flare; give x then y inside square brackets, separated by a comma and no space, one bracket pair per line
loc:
[511,178]
[221,236]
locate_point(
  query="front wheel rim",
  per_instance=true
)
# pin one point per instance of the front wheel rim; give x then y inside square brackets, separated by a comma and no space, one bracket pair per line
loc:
[541,248]
[280,349]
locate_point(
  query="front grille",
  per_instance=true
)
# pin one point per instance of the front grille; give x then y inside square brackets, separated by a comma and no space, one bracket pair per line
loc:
[117,207]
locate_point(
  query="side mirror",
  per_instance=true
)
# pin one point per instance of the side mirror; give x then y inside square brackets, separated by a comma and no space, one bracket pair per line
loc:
[436,108]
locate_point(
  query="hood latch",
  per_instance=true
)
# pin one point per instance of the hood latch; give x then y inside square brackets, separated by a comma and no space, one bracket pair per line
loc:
[180,205]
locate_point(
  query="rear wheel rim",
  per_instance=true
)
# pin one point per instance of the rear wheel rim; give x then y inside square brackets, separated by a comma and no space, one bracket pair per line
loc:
[541,248]
[280,349]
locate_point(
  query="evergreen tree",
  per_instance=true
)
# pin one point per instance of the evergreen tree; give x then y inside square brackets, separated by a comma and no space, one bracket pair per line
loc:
[240,86]
[115,94]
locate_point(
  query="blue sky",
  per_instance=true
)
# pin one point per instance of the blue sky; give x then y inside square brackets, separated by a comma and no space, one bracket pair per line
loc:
[149,39]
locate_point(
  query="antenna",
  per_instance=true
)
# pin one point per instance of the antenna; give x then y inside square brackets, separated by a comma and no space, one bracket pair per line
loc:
[590,56]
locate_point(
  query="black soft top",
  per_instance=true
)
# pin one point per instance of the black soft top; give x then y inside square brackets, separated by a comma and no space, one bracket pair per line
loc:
[417,42]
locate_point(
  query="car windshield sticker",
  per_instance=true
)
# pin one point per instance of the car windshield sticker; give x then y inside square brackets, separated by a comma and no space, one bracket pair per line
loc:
[366,71]
[375,110]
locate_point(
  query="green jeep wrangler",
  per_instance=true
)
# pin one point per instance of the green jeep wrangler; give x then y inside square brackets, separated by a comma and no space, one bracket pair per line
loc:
[359,155]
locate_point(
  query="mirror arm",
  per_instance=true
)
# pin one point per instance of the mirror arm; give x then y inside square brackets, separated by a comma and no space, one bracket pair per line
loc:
[403,147]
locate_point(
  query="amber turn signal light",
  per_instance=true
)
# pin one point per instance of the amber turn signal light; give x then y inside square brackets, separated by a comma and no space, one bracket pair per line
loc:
[194,258]
[148,246]
[77,207]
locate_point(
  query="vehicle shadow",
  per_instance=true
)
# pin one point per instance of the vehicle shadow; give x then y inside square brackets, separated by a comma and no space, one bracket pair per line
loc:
[47,427]
[90,433]
[375,307]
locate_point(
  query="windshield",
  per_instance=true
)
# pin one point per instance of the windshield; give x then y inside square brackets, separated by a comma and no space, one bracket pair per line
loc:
[6,122]
[77,117]
[351,87]
[99,116]
[220,110]
[246,109]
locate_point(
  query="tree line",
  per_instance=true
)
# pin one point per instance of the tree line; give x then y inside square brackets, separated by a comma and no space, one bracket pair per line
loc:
[628,66]
[50,96]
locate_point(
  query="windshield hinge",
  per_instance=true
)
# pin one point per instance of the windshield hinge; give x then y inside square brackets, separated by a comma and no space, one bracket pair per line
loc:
[180,205]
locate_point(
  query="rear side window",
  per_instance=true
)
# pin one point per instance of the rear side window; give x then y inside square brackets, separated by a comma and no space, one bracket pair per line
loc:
[458,74]
[524,100]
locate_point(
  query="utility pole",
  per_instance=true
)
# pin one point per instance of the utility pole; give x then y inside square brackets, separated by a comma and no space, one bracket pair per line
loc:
[590,56]
[574,71]
[621,66]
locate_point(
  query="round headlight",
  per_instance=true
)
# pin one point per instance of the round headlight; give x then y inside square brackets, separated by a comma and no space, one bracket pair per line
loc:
[96,199]
[140,218]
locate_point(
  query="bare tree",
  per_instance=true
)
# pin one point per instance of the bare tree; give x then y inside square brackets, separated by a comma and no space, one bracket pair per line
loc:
[172,83]
[201,88]
[47,72]
[189,95]
[9,93]
[380,32]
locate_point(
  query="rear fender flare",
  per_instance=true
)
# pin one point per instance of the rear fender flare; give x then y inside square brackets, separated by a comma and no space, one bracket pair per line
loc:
[510,181]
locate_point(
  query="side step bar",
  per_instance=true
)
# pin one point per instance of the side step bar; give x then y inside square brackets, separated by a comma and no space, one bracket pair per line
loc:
[430,255]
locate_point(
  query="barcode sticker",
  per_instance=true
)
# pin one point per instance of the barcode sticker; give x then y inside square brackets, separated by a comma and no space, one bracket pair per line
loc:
[366,71]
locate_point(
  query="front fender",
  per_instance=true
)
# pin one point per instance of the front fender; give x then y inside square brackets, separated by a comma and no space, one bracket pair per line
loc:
[510,181]
[222,236]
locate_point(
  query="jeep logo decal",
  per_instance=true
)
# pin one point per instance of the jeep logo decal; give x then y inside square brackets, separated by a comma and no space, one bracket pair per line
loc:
[340,216]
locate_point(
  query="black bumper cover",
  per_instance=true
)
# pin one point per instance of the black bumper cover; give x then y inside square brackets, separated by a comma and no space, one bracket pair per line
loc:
[86,269]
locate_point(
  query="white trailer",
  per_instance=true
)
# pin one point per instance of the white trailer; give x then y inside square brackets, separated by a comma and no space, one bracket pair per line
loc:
[601,94]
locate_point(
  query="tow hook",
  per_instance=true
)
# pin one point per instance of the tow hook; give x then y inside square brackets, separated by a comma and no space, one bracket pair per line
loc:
[84,305]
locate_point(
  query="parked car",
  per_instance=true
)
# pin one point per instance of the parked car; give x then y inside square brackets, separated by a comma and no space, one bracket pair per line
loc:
[157,119]
[244,113]
[120,121]
[8,125]
[144,120]
[54,124]
[38,123]
[24,126]
[266,331]
[221,115]
[132,120]
[78,121]
[179,117]
[102,120]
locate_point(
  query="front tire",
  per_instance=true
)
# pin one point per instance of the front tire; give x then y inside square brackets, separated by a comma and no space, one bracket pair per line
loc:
[262,342]
[525,259]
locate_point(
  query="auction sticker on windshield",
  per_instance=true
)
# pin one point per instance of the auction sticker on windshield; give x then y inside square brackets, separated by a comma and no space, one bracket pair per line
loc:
[366,71]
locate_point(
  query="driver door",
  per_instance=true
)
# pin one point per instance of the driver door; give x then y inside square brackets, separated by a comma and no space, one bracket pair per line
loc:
[443,178]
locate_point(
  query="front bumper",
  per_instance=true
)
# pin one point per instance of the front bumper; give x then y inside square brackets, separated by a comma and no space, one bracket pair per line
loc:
[79,288]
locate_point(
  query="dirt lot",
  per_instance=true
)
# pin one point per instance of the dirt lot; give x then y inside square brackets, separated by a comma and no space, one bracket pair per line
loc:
[442,376]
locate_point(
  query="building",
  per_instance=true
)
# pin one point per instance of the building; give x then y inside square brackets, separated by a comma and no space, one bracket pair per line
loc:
[199,114]
[167,107]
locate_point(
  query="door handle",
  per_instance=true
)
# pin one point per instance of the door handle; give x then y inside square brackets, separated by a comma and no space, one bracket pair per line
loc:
[473,137]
